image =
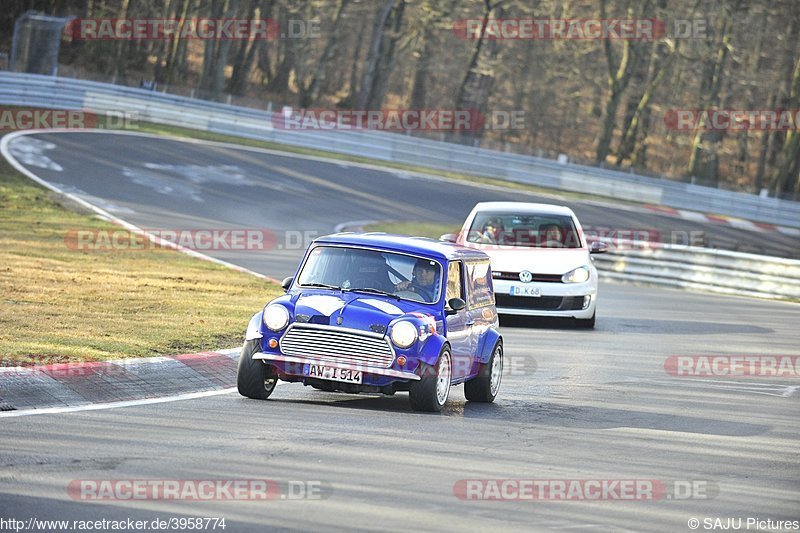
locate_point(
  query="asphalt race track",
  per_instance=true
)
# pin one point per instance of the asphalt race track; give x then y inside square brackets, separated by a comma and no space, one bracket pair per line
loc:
[574,405]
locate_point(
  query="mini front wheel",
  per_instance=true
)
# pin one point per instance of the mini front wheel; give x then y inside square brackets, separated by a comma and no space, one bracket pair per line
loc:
[431,391]
[255,379]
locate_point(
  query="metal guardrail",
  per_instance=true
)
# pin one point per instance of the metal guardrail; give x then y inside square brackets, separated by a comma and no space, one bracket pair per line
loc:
[64,93]
[704,269]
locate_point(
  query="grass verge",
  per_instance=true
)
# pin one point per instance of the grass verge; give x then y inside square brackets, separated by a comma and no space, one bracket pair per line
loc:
[417,229]
[59,305]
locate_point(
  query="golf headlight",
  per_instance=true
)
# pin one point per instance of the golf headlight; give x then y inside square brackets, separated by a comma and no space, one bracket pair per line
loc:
[404,334]
[579,275]
[276,317]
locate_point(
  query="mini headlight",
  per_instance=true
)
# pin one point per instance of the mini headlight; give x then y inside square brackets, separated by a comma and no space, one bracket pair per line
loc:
[404,334]
[276,317]
[579,275]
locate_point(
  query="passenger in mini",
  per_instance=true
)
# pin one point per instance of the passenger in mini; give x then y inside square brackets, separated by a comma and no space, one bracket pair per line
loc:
[423,280]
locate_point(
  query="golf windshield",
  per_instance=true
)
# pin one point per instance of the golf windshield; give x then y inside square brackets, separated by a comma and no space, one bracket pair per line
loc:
[358,269]
[528,230]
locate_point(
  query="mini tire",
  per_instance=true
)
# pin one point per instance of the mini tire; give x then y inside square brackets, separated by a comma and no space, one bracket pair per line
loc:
[430,393]
[255,379]
[485,386]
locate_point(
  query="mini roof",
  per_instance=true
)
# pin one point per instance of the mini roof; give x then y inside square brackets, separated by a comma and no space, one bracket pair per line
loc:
[421,246]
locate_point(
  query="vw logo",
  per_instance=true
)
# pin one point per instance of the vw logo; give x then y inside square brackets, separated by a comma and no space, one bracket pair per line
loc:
[525,276]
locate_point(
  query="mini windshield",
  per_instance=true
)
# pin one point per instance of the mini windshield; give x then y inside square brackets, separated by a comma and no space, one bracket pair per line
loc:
[372,271]
[528,230]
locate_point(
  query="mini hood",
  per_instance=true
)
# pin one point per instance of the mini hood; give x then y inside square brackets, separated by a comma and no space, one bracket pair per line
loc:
[352,309]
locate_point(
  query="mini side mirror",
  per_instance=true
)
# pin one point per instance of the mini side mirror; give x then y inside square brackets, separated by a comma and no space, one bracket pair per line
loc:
[286,283]
[449,237]
[455,305]
[598,248]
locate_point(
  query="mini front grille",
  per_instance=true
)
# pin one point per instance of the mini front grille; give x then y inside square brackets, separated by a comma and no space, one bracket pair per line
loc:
[327,343]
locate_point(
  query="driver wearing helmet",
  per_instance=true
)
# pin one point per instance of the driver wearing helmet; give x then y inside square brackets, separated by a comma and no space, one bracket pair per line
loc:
[423,280]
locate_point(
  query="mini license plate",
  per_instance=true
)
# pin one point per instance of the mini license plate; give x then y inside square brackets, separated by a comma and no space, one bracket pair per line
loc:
[517,290]
[332,373]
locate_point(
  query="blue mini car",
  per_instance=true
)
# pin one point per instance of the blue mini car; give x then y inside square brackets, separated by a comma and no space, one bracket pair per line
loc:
[378,313]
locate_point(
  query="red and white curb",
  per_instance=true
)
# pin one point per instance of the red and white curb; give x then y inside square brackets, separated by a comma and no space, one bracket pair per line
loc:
[735,222]
[64,387]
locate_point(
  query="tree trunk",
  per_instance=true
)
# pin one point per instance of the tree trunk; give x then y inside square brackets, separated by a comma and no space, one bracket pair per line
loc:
[349,99]
[221,59]
[371,65]
[659,68]
[387,58]
[121,45]
[311,94]
[210,51]
[786,174]
[703,161]
[619,75]
[473,93]
[462,98]
[164,47]
[243,58]
[177,46]
[422,71]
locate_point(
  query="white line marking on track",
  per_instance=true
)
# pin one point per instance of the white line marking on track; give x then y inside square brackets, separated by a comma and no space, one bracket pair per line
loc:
[752,387]
[114,405]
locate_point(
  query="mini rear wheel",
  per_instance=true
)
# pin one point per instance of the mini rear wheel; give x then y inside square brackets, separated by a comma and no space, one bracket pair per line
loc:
[485,386]
[255,379]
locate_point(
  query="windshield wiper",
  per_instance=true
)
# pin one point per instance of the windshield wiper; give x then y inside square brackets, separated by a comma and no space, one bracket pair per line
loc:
[372,291]
[322,286]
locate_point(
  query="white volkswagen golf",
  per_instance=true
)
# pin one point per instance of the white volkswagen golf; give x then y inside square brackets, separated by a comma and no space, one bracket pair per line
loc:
[541,262]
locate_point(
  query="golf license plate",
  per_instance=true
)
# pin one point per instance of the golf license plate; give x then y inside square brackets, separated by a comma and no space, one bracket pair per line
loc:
[517,290]
[332,373]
